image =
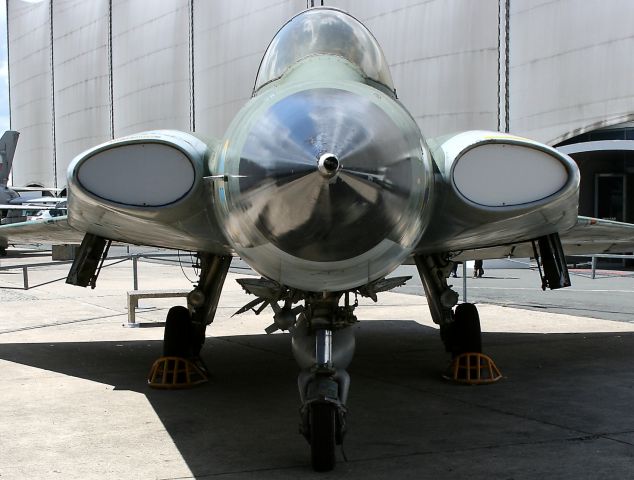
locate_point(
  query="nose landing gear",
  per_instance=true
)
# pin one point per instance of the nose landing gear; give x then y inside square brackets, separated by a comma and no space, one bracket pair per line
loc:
[323,345]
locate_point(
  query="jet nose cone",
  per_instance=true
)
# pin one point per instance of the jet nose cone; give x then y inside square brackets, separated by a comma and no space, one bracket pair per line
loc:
[327,174]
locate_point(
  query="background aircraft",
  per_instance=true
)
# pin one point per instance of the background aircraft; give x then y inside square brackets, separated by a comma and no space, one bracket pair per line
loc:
[324,184]
[8,142]
[15,208]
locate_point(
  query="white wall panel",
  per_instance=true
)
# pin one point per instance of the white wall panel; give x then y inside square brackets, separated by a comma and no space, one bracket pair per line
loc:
[443,58]
[150,49]
[31,91]
[230,38]
[571,66]
[82,83]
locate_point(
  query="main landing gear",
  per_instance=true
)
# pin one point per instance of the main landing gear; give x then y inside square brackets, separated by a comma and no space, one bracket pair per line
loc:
[181,365]
[459,326]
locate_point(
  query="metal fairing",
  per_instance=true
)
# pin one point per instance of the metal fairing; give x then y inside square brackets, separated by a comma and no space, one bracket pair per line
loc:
[179,217]
[313,231]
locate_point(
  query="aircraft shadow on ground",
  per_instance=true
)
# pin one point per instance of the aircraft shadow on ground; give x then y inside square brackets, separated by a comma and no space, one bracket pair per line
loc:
[246,418]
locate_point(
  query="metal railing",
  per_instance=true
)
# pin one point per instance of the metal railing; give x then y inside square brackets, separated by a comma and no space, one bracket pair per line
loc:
[606,255]
[134,257]
[116,260]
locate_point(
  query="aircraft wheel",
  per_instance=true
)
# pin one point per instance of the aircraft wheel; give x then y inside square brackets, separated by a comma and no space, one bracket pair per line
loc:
[197,339]
[178,333]
[466,333]
[322,436]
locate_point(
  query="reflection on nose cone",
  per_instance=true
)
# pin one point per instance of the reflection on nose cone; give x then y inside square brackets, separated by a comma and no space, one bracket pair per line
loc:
[326,175]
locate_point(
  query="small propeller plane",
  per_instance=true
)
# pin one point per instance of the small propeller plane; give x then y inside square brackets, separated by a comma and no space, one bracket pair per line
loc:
[324,184]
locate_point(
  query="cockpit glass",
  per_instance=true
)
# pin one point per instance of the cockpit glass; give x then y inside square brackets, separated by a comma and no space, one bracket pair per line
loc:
[324,31]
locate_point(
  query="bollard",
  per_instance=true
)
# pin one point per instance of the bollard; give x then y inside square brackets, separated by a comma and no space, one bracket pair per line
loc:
[464,282]
[135,275]
[25,277]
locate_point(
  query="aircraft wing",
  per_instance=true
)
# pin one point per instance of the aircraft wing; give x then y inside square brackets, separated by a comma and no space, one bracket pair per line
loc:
[54,230]
[27,207]
[35,189]
[588,236]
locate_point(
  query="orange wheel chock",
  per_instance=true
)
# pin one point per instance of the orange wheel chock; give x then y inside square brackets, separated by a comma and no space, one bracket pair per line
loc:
[473,369]
[176,372]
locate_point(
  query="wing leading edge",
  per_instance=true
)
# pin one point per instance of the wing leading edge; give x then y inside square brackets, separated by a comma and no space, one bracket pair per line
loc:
[588,236]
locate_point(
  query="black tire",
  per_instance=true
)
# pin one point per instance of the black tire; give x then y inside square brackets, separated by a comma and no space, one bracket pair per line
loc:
[3,252]
[178,333]
[466,335]
[322,436]
[197,338]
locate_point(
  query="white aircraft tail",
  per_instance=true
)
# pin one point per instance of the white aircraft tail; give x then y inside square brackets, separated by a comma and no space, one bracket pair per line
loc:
[8,142]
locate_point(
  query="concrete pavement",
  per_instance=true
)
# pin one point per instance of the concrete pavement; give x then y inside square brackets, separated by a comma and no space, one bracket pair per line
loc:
[75,403]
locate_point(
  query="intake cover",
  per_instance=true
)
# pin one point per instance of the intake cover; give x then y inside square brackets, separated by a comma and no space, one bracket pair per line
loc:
[138,174]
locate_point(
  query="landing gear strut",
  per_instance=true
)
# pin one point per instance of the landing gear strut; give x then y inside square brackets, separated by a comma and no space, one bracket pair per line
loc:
[202,301]
[434,271]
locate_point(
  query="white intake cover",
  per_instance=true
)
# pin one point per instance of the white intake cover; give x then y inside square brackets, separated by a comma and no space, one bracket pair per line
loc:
[143,174]
[497,175]
[498,170]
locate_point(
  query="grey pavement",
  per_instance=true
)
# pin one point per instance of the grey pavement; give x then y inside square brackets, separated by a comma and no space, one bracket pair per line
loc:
[75,403]
[609,296]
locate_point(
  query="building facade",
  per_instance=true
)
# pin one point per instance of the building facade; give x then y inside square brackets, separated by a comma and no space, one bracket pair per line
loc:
[82,72]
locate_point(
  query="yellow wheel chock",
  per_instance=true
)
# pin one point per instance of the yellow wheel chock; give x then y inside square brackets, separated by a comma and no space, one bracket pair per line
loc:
[176,372]
[473,369]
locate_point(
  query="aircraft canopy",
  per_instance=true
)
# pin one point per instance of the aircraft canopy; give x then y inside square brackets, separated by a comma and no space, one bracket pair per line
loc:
[324,31]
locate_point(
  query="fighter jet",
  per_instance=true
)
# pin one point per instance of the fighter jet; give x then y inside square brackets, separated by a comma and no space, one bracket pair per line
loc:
[13,207]
[8,143]
[324,184]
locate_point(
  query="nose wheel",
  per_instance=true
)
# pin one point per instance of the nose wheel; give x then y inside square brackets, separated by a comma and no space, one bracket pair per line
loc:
[323,433]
